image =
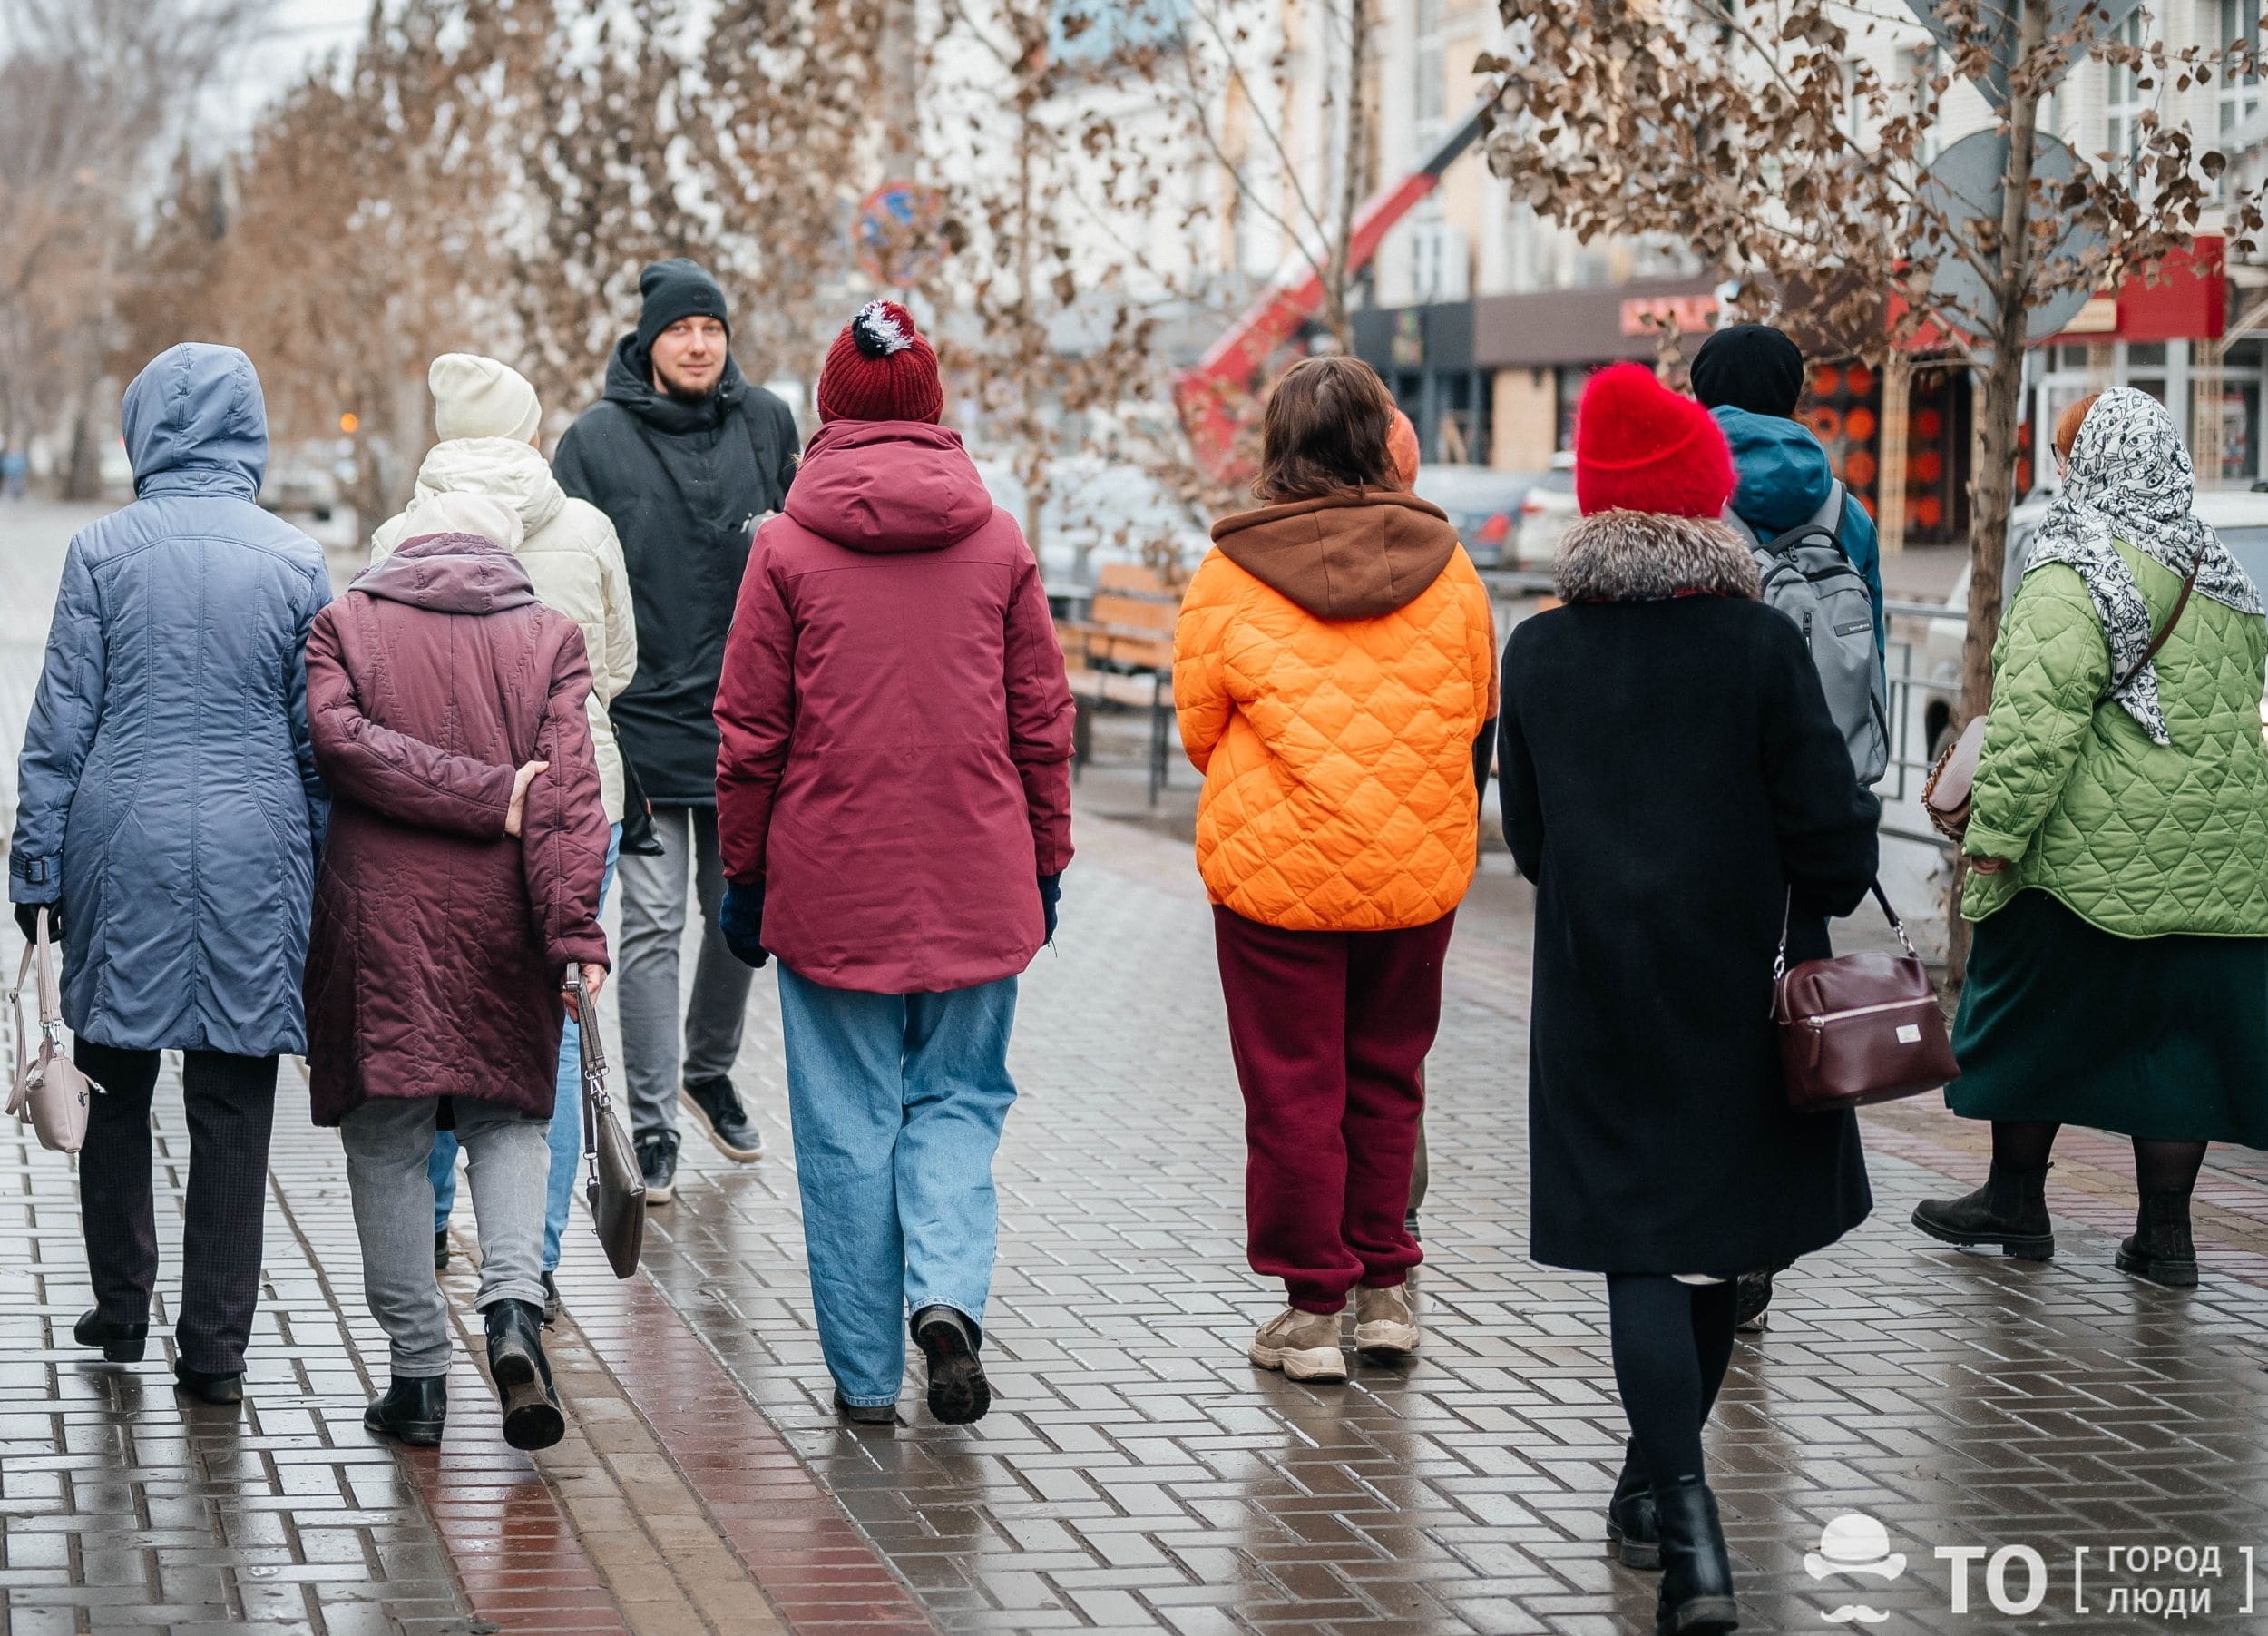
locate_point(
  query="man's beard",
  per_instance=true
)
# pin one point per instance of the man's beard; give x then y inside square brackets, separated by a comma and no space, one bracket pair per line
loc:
[693,395]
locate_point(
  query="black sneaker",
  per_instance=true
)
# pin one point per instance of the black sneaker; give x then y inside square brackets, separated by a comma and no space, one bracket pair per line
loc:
[550,1298]
[958,1391]
[440,1249]
[730,1127]
[657,1164]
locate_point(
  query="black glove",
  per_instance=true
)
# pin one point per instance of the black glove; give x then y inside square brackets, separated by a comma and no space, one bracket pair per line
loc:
[740,917]
[27,920]
[1051,894]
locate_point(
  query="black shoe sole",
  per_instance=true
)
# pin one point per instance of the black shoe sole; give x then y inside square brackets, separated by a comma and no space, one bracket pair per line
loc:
[116,1348]
[414,1433]
[958,1391]
[2023,1247]
[1702,1616]
[531,1416]
[867,1413]
[2169,1275]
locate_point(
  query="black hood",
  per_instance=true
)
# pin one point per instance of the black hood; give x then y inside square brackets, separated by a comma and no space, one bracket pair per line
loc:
[629,382]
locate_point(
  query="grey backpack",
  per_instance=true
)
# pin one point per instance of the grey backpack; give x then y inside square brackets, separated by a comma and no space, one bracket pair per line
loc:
[1807,577]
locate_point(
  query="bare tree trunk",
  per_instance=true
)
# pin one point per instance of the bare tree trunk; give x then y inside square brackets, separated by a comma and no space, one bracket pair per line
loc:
[1353,125]
[83,466]
[1999,410]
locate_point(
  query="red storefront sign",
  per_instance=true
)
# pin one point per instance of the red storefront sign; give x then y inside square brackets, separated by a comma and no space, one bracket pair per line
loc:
[2187,301]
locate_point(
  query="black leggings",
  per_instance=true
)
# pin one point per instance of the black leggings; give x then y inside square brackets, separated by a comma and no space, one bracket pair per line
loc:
[1672,1344]
[2159,1167]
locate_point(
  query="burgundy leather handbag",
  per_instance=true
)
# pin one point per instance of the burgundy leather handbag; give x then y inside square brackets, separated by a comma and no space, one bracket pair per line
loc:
[1859,1028]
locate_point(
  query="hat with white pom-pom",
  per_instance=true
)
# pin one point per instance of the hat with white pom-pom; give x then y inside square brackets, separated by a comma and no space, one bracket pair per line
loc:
[880,368]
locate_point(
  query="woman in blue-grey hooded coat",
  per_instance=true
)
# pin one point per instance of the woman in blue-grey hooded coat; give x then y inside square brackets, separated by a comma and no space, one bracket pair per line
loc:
[168,820]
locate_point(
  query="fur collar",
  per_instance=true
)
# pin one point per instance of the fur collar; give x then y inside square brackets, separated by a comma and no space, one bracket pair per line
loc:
[1636,556]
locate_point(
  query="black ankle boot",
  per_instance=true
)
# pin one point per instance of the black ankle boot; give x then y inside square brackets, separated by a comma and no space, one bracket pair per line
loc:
[411,1412]
[1631,1528]
[2162,1251]
[1696,1596]
[523,1375]
[121,1343]
[958,1391]
[2010,1210]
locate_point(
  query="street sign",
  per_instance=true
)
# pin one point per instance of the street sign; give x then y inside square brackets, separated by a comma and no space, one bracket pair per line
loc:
[897,233]
[1964,185]
[1996,20]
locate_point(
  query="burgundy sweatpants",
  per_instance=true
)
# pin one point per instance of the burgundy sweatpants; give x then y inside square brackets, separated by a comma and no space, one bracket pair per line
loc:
[1330,1030]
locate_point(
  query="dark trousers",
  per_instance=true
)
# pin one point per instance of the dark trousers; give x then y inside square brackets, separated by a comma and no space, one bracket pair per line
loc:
[232,1104]
[1330,1031]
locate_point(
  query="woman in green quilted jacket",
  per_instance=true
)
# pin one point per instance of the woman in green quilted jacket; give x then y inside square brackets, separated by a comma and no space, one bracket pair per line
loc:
[2118,836]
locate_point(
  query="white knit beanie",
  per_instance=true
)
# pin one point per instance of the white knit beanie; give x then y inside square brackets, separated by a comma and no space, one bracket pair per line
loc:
[458,513]
[475,396]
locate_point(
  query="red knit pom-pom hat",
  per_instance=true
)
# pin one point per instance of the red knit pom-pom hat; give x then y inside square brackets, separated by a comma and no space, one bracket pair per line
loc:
[880,368]
[1639,447]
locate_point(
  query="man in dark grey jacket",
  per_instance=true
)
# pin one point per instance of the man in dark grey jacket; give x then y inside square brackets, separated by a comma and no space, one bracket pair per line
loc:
[685,457]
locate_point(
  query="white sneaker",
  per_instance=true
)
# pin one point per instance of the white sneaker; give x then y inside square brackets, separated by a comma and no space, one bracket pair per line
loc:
[1385,1324]
[1303,1345]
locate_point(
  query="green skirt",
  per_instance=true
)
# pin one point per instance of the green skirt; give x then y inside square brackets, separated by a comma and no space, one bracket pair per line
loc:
[2164,1038]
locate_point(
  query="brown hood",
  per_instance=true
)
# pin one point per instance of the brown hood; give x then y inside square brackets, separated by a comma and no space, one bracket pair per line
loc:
[1346,556]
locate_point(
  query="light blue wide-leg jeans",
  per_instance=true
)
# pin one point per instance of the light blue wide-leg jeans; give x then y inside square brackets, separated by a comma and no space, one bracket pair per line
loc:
[566,1128]
[896,1102]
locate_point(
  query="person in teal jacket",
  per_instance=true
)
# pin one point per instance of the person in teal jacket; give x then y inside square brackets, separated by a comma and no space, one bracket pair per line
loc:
[2118,836]
[1750,376]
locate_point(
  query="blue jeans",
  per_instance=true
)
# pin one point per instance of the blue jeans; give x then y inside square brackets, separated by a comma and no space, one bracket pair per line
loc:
[566,1130]
[897,1103]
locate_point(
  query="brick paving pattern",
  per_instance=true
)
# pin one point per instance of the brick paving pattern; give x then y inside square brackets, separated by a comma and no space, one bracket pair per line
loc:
[1136,1474]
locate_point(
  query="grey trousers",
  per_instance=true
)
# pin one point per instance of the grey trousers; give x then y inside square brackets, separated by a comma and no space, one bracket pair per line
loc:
[508,1155]
[660,1053]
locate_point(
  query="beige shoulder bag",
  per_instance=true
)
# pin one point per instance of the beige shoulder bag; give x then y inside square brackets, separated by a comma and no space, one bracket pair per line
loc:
[48,1091]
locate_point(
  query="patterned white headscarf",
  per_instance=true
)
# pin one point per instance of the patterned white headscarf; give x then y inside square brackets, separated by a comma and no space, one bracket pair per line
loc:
[2130,479]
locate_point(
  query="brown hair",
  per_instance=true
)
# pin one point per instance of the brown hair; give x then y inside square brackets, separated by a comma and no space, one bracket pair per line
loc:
[2068,424]
[1324,432]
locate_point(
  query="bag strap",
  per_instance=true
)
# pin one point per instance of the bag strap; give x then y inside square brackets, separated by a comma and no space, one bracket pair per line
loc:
[1787,914]
[2189,584]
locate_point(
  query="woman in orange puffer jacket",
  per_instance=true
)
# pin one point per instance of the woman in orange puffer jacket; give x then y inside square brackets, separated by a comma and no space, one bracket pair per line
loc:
[1335,669]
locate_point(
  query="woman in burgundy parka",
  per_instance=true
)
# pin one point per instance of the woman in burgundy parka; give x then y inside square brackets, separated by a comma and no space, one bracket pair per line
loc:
[458,889]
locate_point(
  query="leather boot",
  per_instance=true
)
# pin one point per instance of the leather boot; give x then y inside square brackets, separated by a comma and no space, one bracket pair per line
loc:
[121,1343]
[1697,1595]
[411,1412]
[1631,1528]
[958,1391]
[2161,1250]
[523,1375]
[223,1387]
[2010,1210]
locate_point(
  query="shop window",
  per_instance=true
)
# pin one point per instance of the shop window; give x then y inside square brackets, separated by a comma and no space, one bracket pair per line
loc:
[2145,355]
[2238,95]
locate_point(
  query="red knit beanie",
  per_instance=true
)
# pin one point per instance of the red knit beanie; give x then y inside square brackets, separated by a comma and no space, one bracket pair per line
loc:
[880,368]
[1639,447]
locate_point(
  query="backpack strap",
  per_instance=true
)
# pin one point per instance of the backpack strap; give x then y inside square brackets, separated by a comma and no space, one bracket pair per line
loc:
[1826,520]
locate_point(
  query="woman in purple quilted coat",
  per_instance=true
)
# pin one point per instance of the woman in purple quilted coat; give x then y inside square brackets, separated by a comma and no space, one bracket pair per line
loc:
[459,888]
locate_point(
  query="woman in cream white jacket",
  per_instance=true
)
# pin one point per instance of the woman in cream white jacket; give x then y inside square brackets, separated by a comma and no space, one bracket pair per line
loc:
[488,420]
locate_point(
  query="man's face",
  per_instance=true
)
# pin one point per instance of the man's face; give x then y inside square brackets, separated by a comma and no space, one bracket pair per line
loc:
[689,358]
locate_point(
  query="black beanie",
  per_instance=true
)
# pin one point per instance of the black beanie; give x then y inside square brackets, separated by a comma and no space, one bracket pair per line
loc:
[1751,367]
[673,290]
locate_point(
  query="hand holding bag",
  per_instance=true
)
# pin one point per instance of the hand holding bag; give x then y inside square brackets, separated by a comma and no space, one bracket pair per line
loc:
[48,1089]
[1945,796]
[1859,1028]
[613,1186]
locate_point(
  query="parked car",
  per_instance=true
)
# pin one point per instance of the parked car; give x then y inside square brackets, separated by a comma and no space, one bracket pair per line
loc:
[1545,513]
[1483,504]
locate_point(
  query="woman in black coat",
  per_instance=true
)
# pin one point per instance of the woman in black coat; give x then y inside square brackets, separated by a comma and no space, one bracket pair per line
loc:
[1674,785]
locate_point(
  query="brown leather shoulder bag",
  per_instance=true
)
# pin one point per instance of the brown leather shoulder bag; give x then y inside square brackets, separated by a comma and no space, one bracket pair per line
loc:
[613,1186]
[1859,1028]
